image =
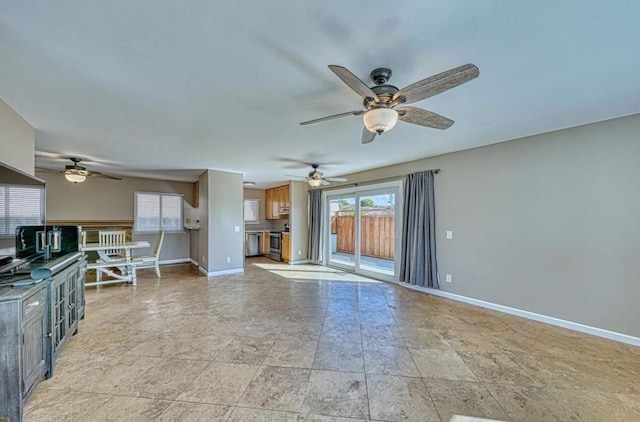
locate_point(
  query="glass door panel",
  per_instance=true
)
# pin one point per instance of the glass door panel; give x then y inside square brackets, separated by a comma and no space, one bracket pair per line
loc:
[342,231]
[377,249]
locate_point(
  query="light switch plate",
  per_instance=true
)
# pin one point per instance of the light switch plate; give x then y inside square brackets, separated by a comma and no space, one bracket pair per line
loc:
[449,234]
[236,229]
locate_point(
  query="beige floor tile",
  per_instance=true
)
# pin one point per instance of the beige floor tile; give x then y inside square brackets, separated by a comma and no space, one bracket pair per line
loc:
[394,398]
[47,405]
[305,331]
[165,380]
[294,353]
[463,398]
[471,341]
[220,383]
[243,414]
[113,376]
[527,403]
[496,368]
[277,388]
[425,338]
[442,364]
[339,356]
[128,409]
[249,350]
[195,412]
[389,360]
[337,394]
[593,375]
[383,335]
[597,406]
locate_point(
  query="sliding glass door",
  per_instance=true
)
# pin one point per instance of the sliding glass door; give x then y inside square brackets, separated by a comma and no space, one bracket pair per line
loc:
[362,230]
[342,231]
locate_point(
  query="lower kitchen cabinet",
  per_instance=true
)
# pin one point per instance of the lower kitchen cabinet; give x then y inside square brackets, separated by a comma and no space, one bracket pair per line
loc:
[286,252]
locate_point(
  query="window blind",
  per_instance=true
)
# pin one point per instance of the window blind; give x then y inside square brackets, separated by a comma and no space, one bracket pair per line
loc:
[20,206]
[157,211]
[251,210]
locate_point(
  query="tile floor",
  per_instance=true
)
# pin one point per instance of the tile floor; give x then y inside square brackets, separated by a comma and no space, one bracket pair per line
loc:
[307,343]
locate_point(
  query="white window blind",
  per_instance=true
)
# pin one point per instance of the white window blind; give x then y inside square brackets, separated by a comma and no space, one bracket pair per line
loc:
[252,211]
[157,211]
[20,206]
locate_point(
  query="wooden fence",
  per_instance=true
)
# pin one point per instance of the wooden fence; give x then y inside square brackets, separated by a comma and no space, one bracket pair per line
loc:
[378,238]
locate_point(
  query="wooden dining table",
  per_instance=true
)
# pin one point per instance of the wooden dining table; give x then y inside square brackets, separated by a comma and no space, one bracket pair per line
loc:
[108,264]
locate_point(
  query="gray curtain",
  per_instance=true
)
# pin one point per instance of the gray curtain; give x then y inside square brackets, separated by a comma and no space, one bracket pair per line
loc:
[418,256]
[315,223]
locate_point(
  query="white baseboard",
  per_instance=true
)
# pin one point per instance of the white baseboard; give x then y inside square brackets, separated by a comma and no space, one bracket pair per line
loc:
[194,262]
[174,261]
[223,272]
[300,262]
[600,332]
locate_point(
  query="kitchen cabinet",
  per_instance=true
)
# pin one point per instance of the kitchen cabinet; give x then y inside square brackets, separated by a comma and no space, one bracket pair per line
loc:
[286,253]
[23,349]
[266,243]
[277,202]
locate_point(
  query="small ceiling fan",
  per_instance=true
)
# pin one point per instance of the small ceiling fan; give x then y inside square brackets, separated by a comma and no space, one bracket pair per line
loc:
[77,174]
[385,104]
[316,178]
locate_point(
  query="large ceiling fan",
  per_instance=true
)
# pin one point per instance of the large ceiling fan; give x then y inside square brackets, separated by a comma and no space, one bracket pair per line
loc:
[316,178]
[385,104]
[77,174]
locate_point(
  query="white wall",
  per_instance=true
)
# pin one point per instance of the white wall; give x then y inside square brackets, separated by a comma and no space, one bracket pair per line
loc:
[17,140]
[547,223]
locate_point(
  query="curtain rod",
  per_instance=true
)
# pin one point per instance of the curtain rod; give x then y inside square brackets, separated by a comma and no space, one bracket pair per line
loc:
[372,182]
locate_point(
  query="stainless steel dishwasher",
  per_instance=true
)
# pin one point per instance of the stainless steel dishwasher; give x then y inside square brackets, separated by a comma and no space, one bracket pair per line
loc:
[252,244]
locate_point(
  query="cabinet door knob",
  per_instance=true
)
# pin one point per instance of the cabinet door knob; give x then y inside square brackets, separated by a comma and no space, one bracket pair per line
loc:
[48,335]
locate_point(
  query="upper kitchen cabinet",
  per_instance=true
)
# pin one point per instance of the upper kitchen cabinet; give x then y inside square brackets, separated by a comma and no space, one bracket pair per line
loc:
[277,202]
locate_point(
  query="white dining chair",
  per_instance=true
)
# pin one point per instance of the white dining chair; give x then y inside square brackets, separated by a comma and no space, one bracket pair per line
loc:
[112,237]
[148,261]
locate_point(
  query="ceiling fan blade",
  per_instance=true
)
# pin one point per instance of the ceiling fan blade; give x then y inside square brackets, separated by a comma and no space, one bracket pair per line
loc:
[367,136]
[353,82]
[103,176]
[49,170]
[335,116]
[335,179]
[324,182]
[438,83]
[296,176]
[421,117]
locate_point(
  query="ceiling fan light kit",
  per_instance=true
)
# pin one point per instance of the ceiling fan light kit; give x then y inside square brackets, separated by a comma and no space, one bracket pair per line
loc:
[385,104]
[380,120]
[75,173]
[316,178]
[75,178]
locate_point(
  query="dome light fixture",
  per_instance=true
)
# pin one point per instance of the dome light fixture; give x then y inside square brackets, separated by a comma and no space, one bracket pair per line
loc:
[75,178]
[248,184]
[380,120]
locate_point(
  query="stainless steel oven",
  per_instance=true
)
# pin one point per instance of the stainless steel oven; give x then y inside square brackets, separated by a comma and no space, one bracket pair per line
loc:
[275,246]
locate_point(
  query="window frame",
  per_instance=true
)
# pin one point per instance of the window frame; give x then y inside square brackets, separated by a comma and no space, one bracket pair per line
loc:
[244,215]
[5,217]
[160,196]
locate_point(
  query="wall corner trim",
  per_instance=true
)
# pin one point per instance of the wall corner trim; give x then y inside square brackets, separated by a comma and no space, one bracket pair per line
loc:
[587,329]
